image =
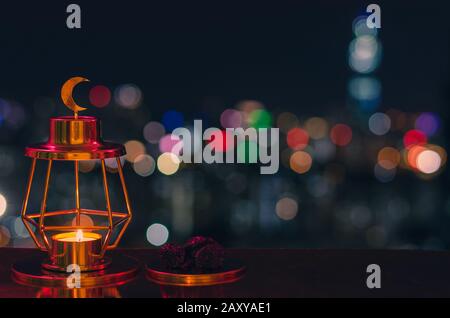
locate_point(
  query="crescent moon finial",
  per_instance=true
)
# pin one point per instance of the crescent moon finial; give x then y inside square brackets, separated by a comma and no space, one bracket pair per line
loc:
[66,94]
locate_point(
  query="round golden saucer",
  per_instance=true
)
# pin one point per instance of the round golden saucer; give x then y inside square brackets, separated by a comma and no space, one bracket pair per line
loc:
[30,272]
[232,271]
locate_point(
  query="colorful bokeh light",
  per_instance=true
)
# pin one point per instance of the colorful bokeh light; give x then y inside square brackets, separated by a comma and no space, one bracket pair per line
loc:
[85,221]
[389,157]
[260,118]
[316,127]
[144,165]
[428,162]
[379,124]
[231,118]
[168,163]
[428,123]
[86,166]
[168,143]
[412,154]
[341,135]
[300,162]
[286,208]
[414,137]
[128,96]
[3,204]
[153,132]
[157,234]
[172,119]
[134,148]
[297,138]
[100,96]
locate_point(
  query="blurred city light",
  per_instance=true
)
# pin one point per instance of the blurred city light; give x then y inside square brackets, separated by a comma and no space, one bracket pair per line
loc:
[231,118]
[144,165]
[379,124]
[134,148]
[364,54]
[428,123]
[414,137]
[172,119]
[297,138]
[128,96]
[341,135]
[286,208]
[157,234]
[153,132]
[3,204]
[100,96]
[389,158]
[168,142]
[260,118]
[316,127]
[300,162]
[168,163]
[428,161]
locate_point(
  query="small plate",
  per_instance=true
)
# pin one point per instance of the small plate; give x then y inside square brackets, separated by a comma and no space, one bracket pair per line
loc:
[232,271]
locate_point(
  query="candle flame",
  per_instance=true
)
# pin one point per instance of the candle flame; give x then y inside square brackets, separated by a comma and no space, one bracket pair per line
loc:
[79,235]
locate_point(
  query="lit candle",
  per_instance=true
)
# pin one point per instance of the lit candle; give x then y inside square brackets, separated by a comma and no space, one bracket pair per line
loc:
[80,248]
[77,237]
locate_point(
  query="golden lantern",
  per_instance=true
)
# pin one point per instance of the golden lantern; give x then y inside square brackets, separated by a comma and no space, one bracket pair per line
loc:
[73,139]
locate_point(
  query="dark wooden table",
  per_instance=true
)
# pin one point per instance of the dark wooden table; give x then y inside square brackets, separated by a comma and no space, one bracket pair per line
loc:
[281,273]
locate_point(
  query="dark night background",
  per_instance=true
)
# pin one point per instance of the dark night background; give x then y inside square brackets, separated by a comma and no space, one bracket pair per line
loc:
[202,57]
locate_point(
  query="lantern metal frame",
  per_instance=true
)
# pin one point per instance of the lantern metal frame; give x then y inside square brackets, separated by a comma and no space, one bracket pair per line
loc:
[74,139]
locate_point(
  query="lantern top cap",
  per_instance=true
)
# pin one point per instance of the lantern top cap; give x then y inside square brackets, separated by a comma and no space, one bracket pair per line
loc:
[82,118]
[74,137]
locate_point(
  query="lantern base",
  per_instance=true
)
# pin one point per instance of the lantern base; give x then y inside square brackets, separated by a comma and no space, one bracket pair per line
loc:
[30,272]
[232,271]
[100,265]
